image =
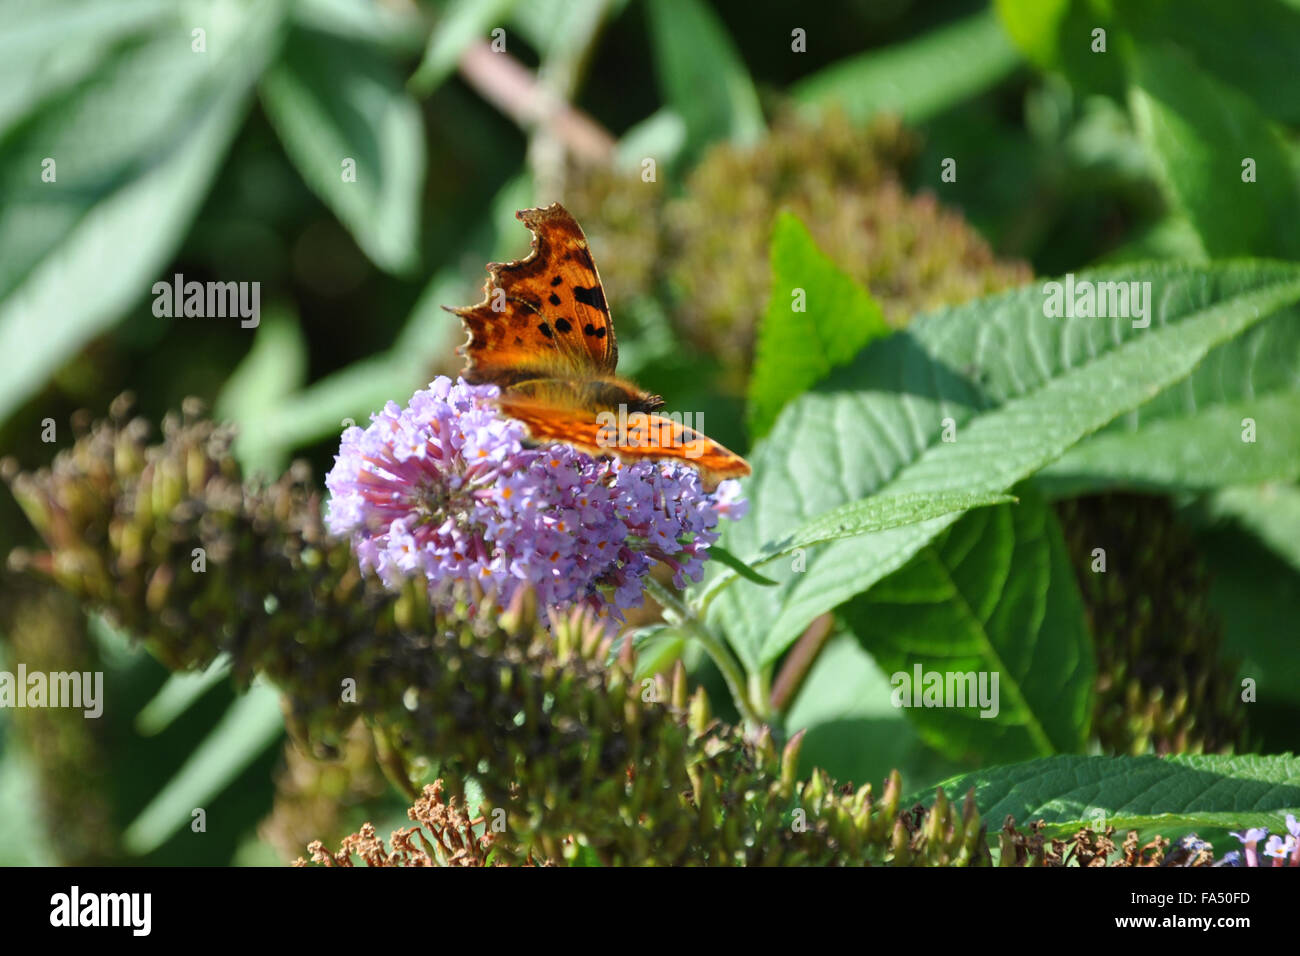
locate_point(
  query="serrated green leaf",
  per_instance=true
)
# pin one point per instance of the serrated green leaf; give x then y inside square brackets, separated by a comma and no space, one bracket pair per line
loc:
[817,318]
[867,516]
[1179,792]
[1191,438]
[334,101]
[994,595]
[917,78]
[1019,387]
[1200,131]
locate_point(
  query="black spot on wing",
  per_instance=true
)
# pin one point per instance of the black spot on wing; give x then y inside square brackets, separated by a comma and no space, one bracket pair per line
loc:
[562,325]
[600,332]
[555,299]
[588,329]
[546,330]
[593,297]
[557,280]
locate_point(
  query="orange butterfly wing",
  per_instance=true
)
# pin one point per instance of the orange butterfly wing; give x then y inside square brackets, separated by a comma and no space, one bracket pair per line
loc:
[544,315]
[646,437]
[543,333]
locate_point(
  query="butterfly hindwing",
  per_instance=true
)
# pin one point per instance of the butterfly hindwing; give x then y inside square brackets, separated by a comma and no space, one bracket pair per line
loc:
[634,437]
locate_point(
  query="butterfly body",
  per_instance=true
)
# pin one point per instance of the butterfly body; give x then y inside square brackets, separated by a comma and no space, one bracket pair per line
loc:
[544,336]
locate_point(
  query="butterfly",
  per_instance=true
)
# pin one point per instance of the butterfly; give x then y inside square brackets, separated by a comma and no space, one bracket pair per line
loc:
[543,335]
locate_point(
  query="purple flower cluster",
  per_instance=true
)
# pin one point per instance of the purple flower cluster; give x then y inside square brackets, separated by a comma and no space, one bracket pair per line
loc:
[445,488]
[1284,851]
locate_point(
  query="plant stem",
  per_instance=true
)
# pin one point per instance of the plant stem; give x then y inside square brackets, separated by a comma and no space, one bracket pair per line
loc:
[799,661]
[731,670]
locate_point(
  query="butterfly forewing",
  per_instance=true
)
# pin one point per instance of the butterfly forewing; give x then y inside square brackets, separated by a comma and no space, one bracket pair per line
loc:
[545,313]
[544,335]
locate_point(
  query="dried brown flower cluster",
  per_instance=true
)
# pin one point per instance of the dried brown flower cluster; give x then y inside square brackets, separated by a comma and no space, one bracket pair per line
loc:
[1090,848]
[444,835]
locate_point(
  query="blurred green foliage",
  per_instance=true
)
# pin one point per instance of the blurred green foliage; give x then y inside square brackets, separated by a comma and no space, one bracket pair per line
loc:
[140,139]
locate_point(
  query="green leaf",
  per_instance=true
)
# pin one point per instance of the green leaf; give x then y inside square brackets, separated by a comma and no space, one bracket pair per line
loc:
[661,135]
[1172,237]
[1255,593]
[1200,131]
[701,74]
[562,30]
[398,28]
[866,516]
[136,147]
[21,801]
[463,22]
[336,102]
[1034,26]
[1191,437]
[48,47]
[318,411]
[251,725]
[918,78]
[725,557]
[657,654]
[853,731]
[657,646]
[274,367]
[817,318]
[994,595]
[179,693]
[1019,387]
[1270,512]
[585,855]
[1175,793]
[1254,51]
[1253,48]
[1057,35]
